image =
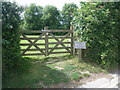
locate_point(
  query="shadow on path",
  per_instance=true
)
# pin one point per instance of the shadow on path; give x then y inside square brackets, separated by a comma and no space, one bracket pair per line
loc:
[33,75]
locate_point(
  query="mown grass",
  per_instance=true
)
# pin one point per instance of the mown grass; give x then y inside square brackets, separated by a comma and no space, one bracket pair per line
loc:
[44,72]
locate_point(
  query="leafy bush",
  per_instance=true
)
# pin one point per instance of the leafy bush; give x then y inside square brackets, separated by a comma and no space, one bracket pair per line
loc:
[97,23]
[10,27]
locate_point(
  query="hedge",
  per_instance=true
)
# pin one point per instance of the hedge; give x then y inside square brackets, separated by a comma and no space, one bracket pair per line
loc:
[10,36]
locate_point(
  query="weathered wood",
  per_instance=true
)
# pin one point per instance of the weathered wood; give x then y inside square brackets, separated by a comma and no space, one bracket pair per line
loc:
[59,52]
[26,44]
[59,41]
[32,38]
[30,31]
[46,28]
[80,54]
[46,43]
[62,43]
[45,51]
[31,44]
[32,49]
[59,48]
[44,48]
[72,40]
[57,37]
[44,31]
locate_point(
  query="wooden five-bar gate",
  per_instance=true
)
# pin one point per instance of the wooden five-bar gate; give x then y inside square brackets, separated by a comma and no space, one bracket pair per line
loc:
[33,38]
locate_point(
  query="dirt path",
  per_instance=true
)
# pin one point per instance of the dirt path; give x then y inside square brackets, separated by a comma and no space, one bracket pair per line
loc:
[73,84]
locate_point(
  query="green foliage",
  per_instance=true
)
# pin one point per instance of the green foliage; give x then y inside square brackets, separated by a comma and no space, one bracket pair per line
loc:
[51,17]
[36,17]
[10,26]
[33,18]
[67,14]
[97,23]
[76,76]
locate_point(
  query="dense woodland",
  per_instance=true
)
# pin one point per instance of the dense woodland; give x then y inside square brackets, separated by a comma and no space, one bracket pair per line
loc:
[96,23]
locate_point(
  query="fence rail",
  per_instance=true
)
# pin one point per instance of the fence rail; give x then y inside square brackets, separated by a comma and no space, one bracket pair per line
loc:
[43,31]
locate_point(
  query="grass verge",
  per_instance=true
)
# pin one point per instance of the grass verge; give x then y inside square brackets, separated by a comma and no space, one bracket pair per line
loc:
[46,71]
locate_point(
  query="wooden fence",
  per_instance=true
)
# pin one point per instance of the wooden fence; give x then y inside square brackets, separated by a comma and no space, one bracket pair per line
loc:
[44,48]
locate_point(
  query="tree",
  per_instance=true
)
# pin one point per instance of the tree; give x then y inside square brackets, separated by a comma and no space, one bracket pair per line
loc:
[98,23]
[51,17]
[33,17]
[10,36]
[68,13]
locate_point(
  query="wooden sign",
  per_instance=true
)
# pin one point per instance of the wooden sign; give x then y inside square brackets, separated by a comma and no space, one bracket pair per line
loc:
[80,45]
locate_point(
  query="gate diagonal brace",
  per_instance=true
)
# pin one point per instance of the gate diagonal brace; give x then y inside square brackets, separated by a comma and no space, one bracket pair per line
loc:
[60,42]
[32,44]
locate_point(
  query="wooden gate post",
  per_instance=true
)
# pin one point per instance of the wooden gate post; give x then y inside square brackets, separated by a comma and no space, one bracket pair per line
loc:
[46,28]
[72,40]
[46,41]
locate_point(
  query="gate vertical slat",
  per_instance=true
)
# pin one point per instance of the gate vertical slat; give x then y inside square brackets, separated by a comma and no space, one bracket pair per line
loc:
[46,43]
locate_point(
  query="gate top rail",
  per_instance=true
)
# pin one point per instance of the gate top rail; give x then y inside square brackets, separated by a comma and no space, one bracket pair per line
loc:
[44,31]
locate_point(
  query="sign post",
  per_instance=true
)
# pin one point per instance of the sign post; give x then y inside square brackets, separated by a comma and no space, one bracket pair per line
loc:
[80,46]
[80,54]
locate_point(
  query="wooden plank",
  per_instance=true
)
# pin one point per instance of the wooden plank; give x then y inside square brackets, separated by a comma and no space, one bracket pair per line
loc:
[59,42]
[46,44]
[72,43]
[58,48]
[31,31]
[26,44]
[80,53]
[45,31]
[44,48]
[59,52]
[54,30]
[46,28]
[33,54]
[32,49]
[72,40]
[57,37]
[32,38]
